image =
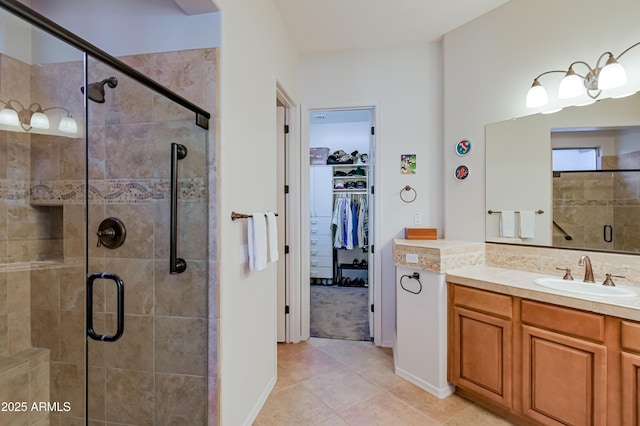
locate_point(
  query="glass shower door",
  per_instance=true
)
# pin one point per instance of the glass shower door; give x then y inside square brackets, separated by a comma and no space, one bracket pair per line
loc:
[42,232]
[103,232]
[147,253]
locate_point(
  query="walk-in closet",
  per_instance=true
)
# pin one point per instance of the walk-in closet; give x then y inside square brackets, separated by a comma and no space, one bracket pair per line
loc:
[341,171]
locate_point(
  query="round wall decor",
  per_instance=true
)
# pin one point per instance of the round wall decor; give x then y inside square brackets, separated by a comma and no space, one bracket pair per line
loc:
[462,172]
[463,147]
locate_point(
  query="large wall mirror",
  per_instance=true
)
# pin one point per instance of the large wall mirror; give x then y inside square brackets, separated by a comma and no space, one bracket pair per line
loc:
[591,200]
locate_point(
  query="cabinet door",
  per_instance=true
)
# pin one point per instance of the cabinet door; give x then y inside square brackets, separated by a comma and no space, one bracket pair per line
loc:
[321,195]
[630,389]
[564,378]
[482,355]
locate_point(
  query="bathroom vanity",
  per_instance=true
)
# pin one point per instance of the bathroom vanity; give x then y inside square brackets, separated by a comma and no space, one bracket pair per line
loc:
[532,353]
[541,356]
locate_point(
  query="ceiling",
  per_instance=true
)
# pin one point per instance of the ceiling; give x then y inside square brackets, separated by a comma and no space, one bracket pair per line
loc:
[330,25]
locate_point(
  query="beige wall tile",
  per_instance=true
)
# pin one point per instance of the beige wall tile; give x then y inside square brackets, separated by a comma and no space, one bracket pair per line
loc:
[180,400]
[45,289]
[134,350]
[137,276]
[45,330]
[130,397]
[67,384]
[182,294]
[180,344]
[72,334]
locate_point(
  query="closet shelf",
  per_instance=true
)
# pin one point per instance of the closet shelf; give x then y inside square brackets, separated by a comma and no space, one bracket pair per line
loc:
[350,191]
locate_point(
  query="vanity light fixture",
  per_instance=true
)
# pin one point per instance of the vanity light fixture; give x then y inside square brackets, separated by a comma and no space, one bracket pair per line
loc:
[14,114]
[596,79]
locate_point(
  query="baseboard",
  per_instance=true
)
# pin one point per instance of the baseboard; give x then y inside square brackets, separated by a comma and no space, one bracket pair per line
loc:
[253,414]
[385,344]
[437,392]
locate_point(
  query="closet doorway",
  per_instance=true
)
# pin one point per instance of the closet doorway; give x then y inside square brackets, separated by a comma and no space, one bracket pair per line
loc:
[341,172]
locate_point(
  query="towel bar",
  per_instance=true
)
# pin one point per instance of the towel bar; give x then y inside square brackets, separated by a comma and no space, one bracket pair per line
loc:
[235,216]
[498,211]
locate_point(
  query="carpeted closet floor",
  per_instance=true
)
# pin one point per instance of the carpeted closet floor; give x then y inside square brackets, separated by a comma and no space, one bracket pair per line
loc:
[340,312]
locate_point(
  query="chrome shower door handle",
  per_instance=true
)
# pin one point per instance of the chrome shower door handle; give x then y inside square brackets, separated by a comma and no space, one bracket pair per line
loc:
[176,264]
[120,308]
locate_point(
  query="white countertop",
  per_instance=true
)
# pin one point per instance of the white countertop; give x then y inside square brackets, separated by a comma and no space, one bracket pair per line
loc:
[520,284]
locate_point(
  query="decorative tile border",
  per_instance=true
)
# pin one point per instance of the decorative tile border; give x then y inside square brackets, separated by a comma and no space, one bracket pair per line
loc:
[114,191]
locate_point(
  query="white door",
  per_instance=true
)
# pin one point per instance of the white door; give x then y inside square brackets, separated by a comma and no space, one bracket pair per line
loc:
[371,257]
[281,140]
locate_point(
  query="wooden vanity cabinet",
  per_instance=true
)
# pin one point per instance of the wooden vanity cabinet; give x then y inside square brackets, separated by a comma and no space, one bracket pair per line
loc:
[564,365]
[541,363]
[630,372]
[482,344]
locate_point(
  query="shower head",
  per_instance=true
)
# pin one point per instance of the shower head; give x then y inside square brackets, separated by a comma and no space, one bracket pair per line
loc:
[95,91]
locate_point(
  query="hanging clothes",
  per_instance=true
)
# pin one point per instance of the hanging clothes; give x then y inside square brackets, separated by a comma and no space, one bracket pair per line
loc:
[349,222]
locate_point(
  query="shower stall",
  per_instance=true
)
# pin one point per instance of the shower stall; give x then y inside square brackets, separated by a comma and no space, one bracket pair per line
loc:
[105,277]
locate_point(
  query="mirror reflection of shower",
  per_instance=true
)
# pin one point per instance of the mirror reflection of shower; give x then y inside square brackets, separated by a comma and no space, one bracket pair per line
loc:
[95,91]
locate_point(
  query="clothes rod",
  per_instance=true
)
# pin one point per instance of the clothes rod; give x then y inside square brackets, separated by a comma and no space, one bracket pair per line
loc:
[498,211]
[236,216]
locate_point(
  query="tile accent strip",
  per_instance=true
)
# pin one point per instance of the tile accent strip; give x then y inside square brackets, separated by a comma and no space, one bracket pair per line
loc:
[108,191]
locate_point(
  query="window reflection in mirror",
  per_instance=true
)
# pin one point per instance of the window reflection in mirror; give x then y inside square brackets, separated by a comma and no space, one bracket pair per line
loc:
[597,208]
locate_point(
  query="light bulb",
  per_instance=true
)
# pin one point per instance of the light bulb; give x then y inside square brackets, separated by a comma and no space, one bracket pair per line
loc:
[39,120]
[9,117]
[537,95]
[571,86]
[612,75]
[68,125]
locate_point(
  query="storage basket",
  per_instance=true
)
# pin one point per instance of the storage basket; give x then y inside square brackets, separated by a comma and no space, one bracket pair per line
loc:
[318,155]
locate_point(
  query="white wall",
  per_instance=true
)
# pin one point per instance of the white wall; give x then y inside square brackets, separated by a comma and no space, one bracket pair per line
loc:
[123,27]
[405,83]
[490,63]
[256,53]
[348,137]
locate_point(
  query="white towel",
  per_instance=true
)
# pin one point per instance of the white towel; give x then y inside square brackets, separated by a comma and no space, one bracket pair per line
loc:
[257,239]
[272,235]
[527,224]
[507,224]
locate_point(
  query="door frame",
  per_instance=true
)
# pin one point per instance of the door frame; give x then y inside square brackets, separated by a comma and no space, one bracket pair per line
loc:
[300,300]
[292,226]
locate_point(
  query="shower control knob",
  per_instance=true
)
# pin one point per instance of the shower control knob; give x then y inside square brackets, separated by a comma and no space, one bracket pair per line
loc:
[111,233]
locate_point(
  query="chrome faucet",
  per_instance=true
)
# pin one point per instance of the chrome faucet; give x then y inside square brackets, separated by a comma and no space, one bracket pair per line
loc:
[588,272]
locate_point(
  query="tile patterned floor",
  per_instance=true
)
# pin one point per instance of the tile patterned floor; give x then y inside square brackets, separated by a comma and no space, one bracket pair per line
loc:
[329,382]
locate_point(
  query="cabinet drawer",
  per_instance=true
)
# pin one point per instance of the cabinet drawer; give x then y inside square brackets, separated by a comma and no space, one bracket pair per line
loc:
[322,261]
[321,272]
[630,336]
[320,221]
[483,301]
[321,251]
[568,321]
[315,231]
[320,240]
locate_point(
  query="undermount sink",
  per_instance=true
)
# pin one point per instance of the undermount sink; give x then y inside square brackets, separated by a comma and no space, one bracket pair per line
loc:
[580,287]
